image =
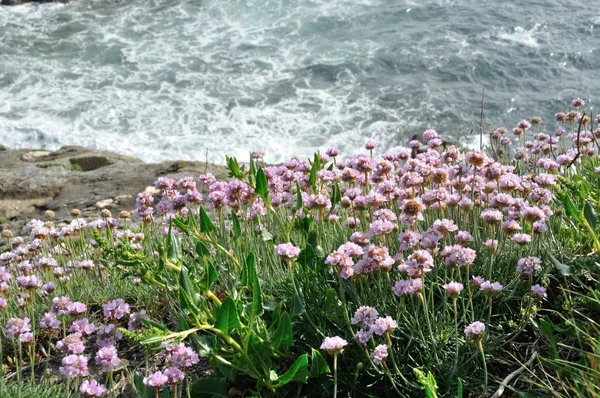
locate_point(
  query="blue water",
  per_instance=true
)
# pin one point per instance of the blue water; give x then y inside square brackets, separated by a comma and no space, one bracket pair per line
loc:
[180,79]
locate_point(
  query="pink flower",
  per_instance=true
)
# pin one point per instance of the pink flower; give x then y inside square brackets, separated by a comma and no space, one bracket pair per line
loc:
[489,289]
[458,256]
[74,366]
[475,330]
[418,263]
[334,345]
[491,216]
[71,344]
[49,321]
[379,354]
[287,251]
[453,288]
[539,291]
[155,380]
[365,316]
[363,336]
[529,265]
[17,326]
[521,239]
[115,309]
[107,358]
[370,145]
[82,326]
[407,287]
[174,375]
[91,389]
[384,325]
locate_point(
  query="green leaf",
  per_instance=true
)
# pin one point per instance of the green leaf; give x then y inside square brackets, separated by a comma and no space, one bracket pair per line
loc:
[564,269]
[318,364]
[262,189]
[570,208]
[237,230]
[140,387]
[181,224]
[590,215]
[297,306]
[547,328]
[152,324]
[459,393]
[234,168]
[186,284]
[206,225]
[336,195]
[283,335]
[298,196]
[203,344]
[298,372]
[257,307]
[252,171]
[202,250]
[312,178]
[210,276]
[209,387]
[227,318]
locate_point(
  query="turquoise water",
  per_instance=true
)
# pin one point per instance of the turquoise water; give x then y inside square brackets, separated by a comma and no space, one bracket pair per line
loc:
[166,79]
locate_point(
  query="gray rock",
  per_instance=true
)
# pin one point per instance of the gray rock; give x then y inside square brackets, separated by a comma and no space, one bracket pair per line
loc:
[77,177]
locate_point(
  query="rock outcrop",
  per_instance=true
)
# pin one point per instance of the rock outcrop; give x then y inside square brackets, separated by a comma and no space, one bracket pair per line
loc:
[32,181]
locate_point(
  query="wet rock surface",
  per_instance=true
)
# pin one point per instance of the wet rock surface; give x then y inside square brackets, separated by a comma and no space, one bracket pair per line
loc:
[33,181]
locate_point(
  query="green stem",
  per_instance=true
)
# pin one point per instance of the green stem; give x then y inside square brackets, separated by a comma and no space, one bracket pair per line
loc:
[484,365]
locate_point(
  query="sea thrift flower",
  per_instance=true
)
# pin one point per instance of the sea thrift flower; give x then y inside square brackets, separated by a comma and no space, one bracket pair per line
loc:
[577,102]
[135,321]
[182,356]
[26,337]
[379,354]
[476,281]
[529,265]
[115,309]
[49,321]
[463,238]
[489,289]
[408,240]
[60,305]
[82,326]
[107,335]
[491,216]
[475,330]
[384,325]
[334,345]
[91,389]
[155,380]
[287,251]
[2,303]
[370,145]
[29,282]
[539,291]
[77,308]
[491,244]
[453,288]
[521,239]
[363,336]
[458,256]
[407,287]
[418,263]
[74,366]
[107,358]
[364,316]
[72,344]
[174,375]
[16,326]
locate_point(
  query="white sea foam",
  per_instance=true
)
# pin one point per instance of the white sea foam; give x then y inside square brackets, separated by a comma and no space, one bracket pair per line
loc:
[167,79]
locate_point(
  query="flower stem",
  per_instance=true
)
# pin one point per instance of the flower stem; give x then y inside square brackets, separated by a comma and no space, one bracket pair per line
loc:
[335,375]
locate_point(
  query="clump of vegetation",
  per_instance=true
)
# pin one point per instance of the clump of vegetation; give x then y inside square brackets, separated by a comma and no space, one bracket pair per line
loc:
[443,273]
[46,165]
